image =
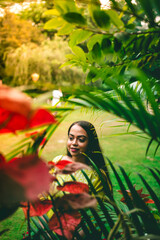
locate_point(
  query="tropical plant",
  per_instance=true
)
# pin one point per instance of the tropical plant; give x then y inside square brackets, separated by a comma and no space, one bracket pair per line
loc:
[24,174]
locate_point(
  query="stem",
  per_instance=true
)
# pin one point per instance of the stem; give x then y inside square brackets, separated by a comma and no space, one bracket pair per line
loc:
[57,215]
[28,221]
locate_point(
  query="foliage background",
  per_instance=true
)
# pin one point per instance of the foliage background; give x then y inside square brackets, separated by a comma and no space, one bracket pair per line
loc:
[108,45]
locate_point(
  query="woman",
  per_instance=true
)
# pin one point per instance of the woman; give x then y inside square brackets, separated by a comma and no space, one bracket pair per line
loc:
[83,144]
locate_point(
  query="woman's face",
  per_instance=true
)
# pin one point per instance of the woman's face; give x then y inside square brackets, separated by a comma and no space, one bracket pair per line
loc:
[77,142]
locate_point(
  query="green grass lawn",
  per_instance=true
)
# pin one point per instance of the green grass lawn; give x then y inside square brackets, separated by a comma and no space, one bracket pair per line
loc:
[126,150]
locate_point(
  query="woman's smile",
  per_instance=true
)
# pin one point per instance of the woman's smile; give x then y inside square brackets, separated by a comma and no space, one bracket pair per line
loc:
[74,149]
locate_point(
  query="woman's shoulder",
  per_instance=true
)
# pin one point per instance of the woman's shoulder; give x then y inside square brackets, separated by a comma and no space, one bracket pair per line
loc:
[61,157]
[57,158]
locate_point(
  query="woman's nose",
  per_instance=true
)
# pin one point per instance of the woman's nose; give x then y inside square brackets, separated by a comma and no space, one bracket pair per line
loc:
[74,142]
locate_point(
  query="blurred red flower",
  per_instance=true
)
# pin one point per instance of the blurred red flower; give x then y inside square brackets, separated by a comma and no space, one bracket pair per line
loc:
[34,135]
[11,121]
[74,187]
[37,208]
[69,222]
[16,112]
[142,195]
[23,178]
[60,164]
[71,167]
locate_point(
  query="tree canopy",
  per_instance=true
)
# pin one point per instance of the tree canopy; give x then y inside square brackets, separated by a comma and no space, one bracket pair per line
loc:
[120,46]
[13,33]
[108,41]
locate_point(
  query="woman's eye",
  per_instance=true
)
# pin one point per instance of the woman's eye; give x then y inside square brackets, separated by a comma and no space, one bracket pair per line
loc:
[81,139]
[70,138]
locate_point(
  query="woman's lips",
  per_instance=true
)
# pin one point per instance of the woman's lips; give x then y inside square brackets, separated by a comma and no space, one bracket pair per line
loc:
[74,149]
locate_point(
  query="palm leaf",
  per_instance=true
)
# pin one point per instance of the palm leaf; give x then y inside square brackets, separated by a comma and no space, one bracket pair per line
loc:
[151,192]
[148,219]
[129,203]
[40,229]
[155,176]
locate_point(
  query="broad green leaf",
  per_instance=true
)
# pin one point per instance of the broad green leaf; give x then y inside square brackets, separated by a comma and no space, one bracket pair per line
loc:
[96,52]
[70,56]
[117,44]
[130,26]
[131,20]
[93,40]
[53,12]
[65,6]
[66,29]
[106,45]
[54,23]
[115,19]
[124,37]
[102,19]
[79,53]
[94,5]
[92,74]
[74,18]
[66,64]
[79,36]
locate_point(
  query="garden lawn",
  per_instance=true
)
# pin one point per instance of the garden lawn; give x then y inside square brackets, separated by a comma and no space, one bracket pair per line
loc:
[126,150]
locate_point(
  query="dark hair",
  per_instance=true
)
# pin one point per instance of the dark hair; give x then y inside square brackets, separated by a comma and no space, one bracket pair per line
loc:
[93,150]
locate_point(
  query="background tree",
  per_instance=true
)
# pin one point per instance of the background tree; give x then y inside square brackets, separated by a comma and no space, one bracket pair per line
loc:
[35,13]
[115,39]
[15,32]
[44,59]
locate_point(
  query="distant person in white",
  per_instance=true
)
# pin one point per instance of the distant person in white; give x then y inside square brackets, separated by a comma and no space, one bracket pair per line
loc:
[57,94]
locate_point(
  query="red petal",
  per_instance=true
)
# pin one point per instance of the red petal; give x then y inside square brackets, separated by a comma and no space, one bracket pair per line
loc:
[43,141]
[31,173]
[61,164]
[10,122]
[147,200]
[37,208]
[69,223]
[41,117]
[122,200]
[31,134]
[72,167]
[144,195]
[74,187]
[139,191]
